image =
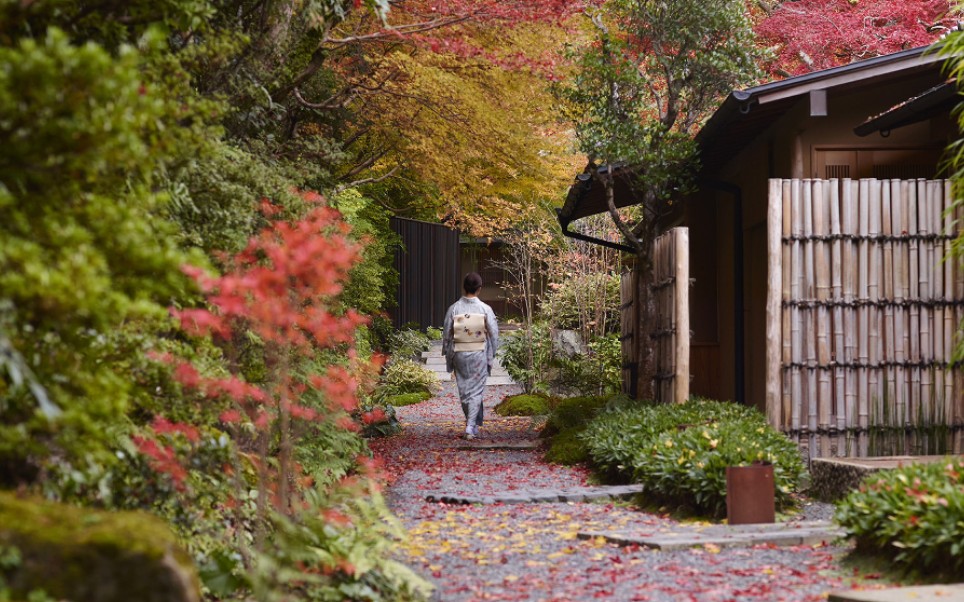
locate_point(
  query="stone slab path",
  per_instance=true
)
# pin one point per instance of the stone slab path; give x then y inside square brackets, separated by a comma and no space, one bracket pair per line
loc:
[925,593]
[504,544]
[811,533]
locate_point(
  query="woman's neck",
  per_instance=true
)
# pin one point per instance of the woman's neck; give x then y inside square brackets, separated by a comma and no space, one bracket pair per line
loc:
[470,295]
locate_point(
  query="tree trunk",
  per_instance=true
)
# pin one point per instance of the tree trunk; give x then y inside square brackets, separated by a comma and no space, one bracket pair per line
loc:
[646,310]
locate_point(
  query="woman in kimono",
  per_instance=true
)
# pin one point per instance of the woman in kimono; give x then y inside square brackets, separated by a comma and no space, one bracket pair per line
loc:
[469,341]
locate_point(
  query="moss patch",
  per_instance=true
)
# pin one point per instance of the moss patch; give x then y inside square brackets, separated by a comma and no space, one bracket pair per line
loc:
[79,554]
[523,405]
[567,448]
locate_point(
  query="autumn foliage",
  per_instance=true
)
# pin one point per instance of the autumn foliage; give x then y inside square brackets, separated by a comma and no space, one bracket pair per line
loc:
[809,35]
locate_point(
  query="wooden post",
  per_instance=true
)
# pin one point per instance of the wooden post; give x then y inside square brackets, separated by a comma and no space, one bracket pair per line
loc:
[774,329]
[682,273]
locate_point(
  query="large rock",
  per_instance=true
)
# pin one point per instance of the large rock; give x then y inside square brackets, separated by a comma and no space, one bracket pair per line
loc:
[567,343]
[88,556]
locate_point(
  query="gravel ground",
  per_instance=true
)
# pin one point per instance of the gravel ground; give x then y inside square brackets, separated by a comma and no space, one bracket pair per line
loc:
[530,551]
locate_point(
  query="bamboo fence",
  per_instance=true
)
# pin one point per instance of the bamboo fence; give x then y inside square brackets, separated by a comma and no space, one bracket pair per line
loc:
[863,315]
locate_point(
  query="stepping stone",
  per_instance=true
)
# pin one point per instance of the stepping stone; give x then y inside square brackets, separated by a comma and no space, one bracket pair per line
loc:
[926,593]
[534,496]
[725,536]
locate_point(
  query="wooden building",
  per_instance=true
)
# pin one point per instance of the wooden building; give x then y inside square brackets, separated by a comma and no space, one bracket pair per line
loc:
[817,235]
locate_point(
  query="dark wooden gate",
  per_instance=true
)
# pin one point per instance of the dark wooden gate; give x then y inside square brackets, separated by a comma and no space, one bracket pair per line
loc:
[427,262]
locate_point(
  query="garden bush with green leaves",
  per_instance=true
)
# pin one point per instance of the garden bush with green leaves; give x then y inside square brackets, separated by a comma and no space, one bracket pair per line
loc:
[680,452]
[913,515]
[567,420]
[525,404]
[407,376]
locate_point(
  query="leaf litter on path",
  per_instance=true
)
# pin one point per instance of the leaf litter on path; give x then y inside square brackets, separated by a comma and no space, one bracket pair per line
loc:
[530,551]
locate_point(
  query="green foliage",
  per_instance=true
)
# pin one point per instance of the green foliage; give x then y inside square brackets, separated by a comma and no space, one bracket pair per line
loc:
[350,537]
[598,372]
[407,344]
[407,399]
[567,421]
[913,515]
[523,405]
[567,448]
[680,452]
[526,355]
[406,376]
[83,251]
[567,304]
[952,47]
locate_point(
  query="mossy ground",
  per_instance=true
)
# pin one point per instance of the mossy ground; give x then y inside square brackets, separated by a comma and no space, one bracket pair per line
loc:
[80,554]
[523,405]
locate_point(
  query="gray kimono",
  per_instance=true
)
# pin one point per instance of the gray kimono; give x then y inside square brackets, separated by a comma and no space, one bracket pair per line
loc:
[471,367]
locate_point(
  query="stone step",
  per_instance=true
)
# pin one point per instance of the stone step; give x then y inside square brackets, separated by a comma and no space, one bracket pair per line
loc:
[725,536]
[953,592]
[498,381]
[535,496]
[833,478]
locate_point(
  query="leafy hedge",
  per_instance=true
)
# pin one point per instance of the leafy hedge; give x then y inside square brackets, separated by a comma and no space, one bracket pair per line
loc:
[913,514]
[680,452]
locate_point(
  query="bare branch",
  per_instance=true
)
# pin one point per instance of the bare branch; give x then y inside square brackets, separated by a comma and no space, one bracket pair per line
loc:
[344,187]
[339,100]
[398,31]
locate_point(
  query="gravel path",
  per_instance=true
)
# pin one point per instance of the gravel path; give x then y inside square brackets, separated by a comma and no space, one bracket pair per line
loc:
[530,551]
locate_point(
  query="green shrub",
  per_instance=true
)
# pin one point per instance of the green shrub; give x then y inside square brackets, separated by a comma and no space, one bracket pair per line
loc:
[407,399]
[526,404]
[526,355]
[406,376]
[573,304]
[680,452]
[567,448]
[567,420]
[597,372]
[407,344]
[913,515]
[573,413]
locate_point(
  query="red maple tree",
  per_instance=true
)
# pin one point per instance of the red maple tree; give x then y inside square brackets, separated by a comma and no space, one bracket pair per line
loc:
[809,35]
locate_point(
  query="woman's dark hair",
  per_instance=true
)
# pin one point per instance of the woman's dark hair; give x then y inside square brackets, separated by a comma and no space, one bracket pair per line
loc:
[472,283]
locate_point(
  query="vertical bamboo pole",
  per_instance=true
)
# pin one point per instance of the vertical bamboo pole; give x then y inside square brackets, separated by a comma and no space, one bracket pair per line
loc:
[850,210]
[935,194]
[925,268]
[914,297]
[873,296]
[949,326]
[809,332]
[836,272]
[863,312]
[887,295]
[774,328]
[682,252]
[787,314]
[796,293]
[821,211]
[899,295]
